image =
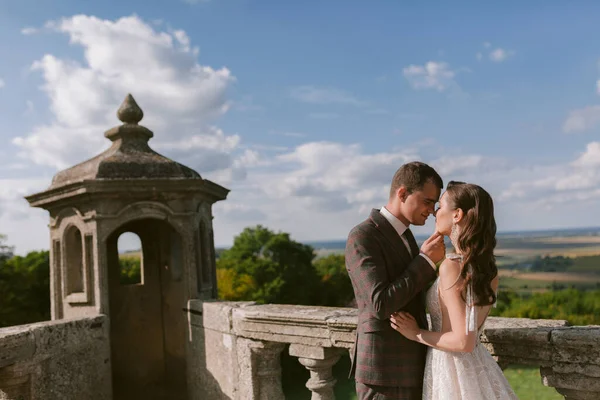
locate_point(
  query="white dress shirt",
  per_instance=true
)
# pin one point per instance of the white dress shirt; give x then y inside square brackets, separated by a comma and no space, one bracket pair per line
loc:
[401,228]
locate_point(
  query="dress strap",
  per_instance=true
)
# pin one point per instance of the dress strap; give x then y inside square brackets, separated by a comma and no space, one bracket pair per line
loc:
[470,309]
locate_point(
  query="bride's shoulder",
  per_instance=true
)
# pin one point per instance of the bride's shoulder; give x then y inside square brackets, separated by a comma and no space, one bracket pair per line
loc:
[450,270]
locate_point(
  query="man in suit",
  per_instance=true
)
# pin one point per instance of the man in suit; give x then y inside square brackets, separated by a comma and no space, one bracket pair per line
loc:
[389,273]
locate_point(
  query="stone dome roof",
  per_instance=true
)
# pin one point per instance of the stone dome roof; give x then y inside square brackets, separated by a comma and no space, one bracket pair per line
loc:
[129,157]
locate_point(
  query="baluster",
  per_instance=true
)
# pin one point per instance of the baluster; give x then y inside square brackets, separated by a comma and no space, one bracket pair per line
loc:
[319,361]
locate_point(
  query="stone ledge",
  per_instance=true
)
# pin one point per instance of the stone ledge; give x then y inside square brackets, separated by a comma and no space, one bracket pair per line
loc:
[515,340]
[214,315]
[308,325]
[47,338]
[51,359]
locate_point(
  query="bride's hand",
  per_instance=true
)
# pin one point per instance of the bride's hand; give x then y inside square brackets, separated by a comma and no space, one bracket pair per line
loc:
[406,324]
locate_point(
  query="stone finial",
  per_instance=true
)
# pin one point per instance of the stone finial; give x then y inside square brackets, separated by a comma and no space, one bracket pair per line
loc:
[130,112]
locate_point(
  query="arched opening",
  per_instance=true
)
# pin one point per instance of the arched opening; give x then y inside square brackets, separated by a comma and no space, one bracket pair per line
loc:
[131,260]
[147,321]
[73,260]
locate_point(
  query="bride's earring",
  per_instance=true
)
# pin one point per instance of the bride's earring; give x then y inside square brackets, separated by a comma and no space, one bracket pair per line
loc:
[454,236]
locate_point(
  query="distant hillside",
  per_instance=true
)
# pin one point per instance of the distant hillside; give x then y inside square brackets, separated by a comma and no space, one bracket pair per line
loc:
[519,244]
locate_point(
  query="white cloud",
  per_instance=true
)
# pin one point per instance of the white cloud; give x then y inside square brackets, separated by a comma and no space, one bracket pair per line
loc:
[321,174]
[241,212]
[180,97]
[582,119]
[496,55]
[327,95]
[29,31]
[499,55]
[317,190]
[590,158]
[432,75]
[26,228]
[551,185]
[451,165]
[2,84]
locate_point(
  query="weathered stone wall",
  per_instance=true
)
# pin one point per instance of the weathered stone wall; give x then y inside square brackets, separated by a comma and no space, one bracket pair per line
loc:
[213,369]
[63,359]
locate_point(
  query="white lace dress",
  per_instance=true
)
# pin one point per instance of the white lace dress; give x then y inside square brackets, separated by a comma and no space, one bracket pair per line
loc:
[460,376]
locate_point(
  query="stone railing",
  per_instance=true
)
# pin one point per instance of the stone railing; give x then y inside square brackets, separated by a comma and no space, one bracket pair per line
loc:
[65,359]
[236,349]
[234,352]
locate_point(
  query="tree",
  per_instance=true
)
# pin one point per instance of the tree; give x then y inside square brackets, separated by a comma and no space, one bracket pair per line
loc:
[131,269]
[25,289]
[268,267]
[337,287]
[6,251]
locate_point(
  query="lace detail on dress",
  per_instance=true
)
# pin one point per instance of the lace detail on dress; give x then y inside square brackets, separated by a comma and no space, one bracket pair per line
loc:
[460,376]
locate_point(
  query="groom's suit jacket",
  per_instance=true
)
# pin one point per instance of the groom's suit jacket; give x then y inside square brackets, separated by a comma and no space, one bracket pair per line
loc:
[386,279]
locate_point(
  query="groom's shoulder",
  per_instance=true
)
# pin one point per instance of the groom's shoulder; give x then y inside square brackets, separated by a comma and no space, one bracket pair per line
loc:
[366,228]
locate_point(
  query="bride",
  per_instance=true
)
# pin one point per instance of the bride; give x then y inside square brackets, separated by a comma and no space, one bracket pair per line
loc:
[458,367]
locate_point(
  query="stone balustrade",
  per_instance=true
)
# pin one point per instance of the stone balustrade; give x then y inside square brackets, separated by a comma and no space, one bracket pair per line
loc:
[64,359]
[234,352]
[237,347]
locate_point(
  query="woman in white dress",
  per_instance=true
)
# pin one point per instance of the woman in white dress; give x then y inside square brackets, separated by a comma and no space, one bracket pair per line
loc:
[458,367]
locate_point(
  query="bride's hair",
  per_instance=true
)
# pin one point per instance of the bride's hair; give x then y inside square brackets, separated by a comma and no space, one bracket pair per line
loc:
[476,240]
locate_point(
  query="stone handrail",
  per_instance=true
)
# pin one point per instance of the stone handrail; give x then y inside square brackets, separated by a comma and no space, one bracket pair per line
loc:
[238,344]
[234,352]
[64,359]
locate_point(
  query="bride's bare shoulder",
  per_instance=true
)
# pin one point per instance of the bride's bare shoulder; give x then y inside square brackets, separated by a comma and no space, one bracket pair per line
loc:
[450,271]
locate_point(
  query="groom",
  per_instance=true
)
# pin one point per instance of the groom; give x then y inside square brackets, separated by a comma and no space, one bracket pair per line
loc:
[389,273]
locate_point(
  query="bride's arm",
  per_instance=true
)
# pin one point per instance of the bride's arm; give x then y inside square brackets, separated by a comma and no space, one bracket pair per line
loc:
[455,339]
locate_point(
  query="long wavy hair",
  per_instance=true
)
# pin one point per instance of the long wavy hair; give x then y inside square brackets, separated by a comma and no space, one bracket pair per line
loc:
[476,240]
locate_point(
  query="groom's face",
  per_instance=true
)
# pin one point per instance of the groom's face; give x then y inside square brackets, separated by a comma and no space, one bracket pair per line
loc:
[420,204]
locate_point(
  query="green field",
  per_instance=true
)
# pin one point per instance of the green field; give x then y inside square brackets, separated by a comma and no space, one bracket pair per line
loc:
[527,286]
[527,384]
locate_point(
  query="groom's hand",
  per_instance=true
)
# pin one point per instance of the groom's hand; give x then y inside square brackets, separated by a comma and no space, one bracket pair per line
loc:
[434,247]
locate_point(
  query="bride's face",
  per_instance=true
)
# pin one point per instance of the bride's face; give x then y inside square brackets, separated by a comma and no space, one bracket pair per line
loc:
[443,216]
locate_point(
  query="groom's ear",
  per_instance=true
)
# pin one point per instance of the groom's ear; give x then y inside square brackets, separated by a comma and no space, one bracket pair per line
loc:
[402,193]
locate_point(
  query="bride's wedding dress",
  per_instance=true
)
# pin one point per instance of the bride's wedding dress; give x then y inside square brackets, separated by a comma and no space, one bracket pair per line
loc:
[461,376]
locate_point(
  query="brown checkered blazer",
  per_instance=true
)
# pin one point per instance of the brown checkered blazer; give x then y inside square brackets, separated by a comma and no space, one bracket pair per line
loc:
[385,280]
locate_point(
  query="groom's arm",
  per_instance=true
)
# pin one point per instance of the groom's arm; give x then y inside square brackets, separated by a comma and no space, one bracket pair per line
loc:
[366,267]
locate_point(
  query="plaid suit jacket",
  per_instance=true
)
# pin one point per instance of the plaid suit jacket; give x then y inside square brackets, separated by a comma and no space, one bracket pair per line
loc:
[386,279]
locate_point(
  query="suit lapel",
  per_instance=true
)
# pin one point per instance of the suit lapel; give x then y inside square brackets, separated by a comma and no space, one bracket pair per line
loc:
[390,234]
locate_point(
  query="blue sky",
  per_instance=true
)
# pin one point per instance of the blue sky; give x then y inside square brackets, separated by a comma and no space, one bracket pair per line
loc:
[305,109]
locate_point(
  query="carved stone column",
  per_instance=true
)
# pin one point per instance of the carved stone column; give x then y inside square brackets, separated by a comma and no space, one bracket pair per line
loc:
[319,361]
[260,370]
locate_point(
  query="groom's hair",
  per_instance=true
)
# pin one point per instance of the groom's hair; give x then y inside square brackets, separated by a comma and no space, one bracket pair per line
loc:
[413,176]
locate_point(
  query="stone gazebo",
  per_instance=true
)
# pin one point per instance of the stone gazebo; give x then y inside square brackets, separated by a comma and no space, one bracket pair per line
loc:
[131,188]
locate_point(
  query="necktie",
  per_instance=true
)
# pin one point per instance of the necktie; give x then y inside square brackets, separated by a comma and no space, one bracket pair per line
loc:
[414,249]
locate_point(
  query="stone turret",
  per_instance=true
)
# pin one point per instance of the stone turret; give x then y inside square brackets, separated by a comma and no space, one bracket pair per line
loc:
[131,188]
